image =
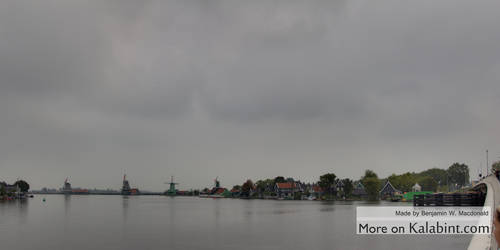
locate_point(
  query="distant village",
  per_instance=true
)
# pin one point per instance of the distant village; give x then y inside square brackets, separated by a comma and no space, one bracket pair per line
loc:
[401,187]
[369,187]
[17,190]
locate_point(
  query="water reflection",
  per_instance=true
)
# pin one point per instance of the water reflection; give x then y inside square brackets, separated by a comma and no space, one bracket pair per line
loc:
[172,216]
[217,212]
[67,212]
[67,205]
[148,222]
[16,209]
[327,206]
[285,211]
[125,201]
[22,206]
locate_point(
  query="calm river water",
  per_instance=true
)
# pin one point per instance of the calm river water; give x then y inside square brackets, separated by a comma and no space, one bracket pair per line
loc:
[155,222]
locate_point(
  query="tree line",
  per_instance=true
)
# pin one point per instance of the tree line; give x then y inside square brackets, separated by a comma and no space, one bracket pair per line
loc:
[434,179]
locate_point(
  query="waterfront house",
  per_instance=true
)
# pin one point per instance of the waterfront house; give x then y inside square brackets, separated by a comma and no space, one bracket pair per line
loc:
[339,188]
[317,191]
[235,192]
[359,190]
[286,190]
[220,192]
[269,191]
[216,192]
[9,189]
[389,191]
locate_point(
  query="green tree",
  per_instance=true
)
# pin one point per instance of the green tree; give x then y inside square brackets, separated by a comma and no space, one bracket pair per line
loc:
[246,188]
[23,185]
[260,186]
[327,182]
[371,183]
[279,179]
[370,173]
[266,186]
[427,183]
[439,175]
[348,187]
[496,166]
[403,182]
[458,173]
[297,196]
[395,180]
[307,193]
[407,180]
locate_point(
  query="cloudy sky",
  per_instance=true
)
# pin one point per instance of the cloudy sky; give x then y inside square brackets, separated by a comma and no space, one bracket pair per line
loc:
[244,89]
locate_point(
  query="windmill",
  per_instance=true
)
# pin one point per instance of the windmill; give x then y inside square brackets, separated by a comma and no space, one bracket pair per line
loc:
[171,191]
[217,182]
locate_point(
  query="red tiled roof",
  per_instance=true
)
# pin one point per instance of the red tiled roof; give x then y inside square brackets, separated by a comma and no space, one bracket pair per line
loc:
[219,191]
[286,185]
[317,189]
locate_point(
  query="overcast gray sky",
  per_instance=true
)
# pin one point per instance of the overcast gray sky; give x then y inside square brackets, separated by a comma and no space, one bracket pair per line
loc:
[244,89]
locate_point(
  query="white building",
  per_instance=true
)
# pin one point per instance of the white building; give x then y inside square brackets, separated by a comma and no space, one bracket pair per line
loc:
[416,188]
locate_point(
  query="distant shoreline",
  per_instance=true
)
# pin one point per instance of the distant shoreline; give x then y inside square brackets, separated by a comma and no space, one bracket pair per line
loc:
[194,196]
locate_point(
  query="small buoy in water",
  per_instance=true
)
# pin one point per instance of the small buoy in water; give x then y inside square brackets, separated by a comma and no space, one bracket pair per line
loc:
[43,200]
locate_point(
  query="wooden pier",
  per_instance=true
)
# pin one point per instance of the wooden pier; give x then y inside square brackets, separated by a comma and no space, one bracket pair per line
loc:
[457,199]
